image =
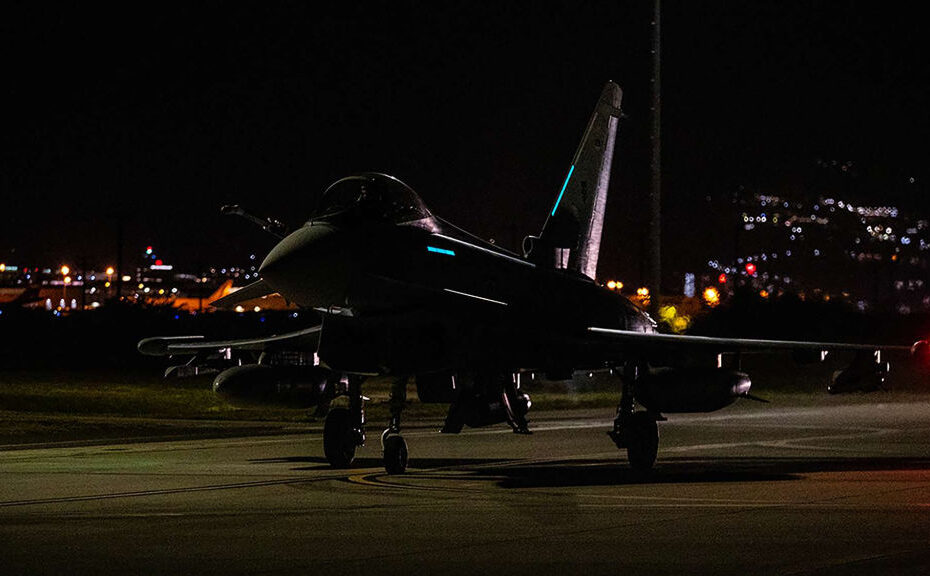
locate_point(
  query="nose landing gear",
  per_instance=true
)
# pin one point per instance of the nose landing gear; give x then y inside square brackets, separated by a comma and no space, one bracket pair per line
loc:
[393,445]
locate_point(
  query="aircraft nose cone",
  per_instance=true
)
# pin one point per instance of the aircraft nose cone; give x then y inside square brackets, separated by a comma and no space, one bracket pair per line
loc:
[309,266]
[295,244]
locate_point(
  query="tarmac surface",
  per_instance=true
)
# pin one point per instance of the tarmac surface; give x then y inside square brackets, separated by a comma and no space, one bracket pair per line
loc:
[826,486]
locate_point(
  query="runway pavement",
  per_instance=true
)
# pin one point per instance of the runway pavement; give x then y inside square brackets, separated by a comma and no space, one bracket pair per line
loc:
[832,486]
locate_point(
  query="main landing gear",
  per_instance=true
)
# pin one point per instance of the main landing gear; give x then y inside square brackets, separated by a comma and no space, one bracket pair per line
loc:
[344,430]
[635,431]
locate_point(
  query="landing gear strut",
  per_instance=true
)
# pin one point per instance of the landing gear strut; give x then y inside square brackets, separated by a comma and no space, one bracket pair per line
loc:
[344,430]
[393,445]
[635,431]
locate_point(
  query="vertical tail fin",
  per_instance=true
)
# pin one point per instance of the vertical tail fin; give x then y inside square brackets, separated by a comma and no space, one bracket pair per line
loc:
[571,237]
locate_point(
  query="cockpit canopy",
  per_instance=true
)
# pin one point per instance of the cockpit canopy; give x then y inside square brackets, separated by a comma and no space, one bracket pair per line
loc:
[372,196]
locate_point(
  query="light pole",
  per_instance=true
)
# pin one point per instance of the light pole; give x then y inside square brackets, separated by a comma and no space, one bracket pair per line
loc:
[655,189]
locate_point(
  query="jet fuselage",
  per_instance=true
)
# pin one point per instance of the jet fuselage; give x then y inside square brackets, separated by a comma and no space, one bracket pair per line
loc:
[419,295]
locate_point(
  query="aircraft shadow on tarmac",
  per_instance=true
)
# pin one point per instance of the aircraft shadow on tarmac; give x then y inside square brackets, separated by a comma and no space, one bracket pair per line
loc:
[685,471]
[320,463]
[606,472]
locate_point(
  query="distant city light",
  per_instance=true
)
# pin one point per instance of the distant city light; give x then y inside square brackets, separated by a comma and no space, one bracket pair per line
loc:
[126,278]
[711,296]
[722,279]
[750,268]
[110,271]
[65,270]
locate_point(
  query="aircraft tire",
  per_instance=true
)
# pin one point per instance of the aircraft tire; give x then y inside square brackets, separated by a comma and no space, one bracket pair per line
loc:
[339,438]
[642,440]
[395,454]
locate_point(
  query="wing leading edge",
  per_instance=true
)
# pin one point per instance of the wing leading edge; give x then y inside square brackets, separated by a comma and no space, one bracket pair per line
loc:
[308,338]
[733,344]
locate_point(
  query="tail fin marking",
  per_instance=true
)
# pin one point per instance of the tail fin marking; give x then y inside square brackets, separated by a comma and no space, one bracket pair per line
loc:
[571,236]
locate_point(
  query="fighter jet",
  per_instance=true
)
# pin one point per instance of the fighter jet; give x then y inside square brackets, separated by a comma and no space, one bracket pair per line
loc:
[406,294]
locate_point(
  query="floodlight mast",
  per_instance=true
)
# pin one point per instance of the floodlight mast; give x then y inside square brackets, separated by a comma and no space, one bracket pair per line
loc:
[655,190]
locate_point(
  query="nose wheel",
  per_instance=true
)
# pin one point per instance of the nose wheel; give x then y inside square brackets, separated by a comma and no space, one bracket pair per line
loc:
[393,445]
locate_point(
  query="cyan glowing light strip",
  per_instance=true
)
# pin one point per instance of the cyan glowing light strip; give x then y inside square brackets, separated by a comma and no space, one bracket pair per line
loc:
[440,251]
[564,186]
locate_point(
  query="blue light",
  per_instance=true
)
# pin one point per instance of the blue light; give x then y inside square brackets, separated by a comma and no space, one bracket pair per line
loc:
[440,251]
[564,186]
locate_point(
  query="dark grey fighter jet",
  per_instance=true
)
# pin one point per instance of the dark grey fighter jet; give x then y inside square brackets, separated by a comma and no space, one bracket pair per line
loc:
[405,293]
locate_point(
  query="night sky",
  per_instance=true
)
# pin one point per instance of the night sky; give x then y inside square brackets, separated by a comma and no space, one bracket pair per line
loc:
[158,113]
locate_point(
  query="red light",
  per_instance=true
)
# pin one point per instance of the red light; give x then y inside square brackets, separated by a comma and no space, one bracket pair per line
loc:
[750,268]
[158,263]
[722,279]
